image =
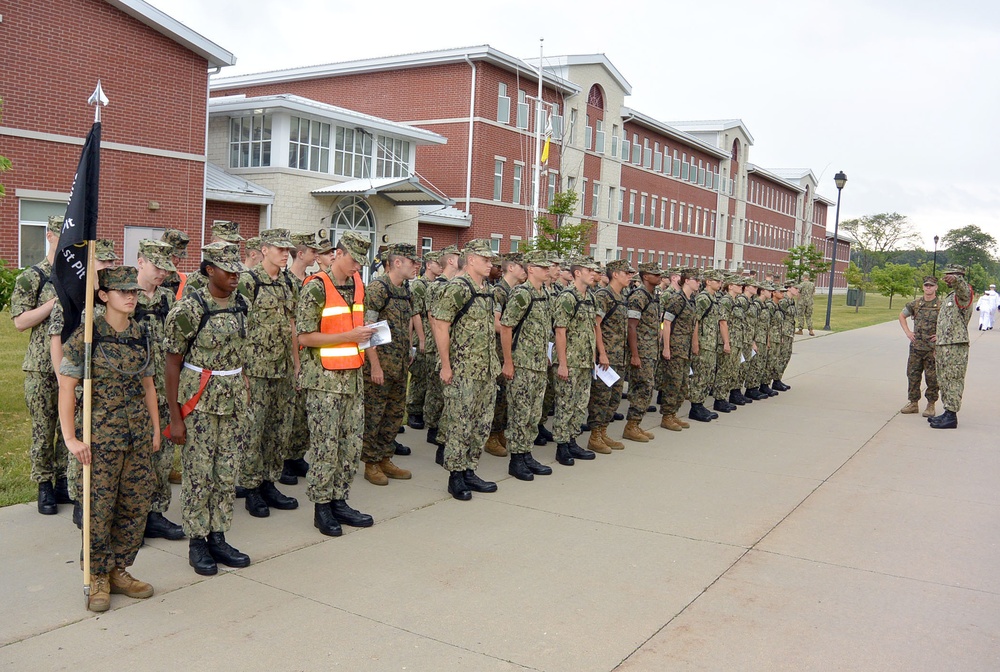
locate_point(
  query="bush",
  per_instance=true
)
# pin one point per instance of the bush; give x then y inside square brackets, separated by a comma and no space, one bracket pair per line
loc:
[8,276]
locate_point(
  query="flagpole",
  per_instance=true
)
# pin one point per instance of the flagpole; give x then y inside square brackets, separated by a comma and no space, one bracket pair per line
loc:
[539,106]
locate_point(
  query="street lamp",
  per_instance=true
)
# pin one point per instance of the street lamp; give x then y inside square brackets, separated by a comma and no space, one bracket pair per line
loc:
[934,272]
[840,179]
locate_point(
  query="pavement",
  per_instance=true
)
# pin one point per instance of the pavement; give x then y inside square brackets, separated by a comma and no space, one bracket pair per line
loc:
[819,530]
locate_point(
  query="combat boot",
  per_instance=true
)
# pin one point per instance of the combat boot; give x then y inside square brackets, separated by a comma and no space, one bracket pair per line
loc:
[345,515]
[632,432]
[275,498]
[736,397]
[324,521]
[596,442]
[400,449]
[753,394]
[798,332]
[682,422]
[493,446]
[766,390]
[175,477]
[910,408]
[123,583]
[476,484]
[535,466]
[722,406]
[221,551]
[700,413]
[618,416]
[780,386]
[929,411]
[502,438]
[392,471]
[609,442]
[432,437]
[649,434]
[545,433]
[670,422]
[255,504]
[47,499]
[562,455]
[374,475]
[519,469]
[200,558]
[61,492]
[100,593]
[78,515]
[579,453]
[811,333]
[947,420]
[416,421]
[457,487]
[540,440]
[158,527]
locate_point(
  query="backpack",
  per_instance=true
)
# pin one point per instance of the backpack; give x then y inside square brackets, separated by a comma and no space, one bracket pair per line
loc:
[468,304]
[520,323]
[43,278]
[579,302]
[241,308]
[159,311]
[257,283]
[615,303]
[385,283]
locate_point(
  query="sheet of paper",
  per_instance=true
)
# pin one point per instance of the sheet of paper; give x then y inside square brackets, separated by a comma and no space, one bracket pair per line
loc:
[551,348]
[742,358]
[609,377]
[381,336]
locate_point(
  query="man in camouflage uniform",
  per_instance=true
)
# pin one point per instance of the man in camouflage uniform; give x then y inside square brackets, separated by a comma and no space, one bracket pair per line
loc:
[643,344]
[680,342]
[786,338]
[952,346]
[773,340]
[463,325]
[745,302]
[729,363]
[388,298]
[577,341]
[757,388]
[222,232]
[612,319]
[423,340]
[920,363]
[434,398]
[31,304]
[203,338]
[253,253]
[513,274]
[179,241]
[270,362]
[525,327]
[713,332]
[804,304]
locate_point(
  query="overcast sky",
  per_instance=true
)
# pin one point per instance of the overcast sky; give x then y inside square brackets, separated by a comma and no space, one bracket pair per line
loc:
[900,95]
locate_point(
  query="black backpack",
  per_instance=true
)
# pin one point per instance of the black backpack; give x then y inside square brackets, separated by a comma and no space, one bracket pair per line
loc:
[520,323]
[241,308]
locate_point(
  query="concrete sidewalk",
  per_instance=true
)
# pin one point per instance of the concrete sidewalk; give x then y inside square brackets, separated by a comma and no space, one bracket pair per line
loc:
[819,530]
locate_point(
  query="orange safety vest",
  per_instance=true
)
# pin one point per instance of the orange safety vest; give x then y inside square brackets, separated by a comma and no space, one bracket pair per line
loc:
[180,287]
[339,318]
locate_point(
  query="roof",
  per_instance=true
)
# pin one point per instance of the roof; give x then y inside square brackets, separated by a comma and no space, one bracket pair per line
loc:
[628,114]
[398,62]
[712,125]
[796,174]
[560,64]
[238,104]
[398,190]
[444,215]
[221,186]
[824,199]
[751,168]
[216,56]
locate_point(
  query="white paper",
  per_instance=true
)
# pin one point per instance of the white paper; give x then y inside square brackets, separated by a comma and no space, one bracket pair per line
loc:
[551,347]
[742,358]
[690,371]
[609,377]
[381,336]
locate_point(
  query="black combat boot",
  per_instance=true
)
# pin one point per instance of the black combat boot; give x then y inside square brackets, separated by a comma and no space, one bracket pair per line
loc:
[400,449]
[432,437]
[457,487]
[540,440]
[618,416]
[754,394]
[948,420]
[158,527]
[275,498]
[579,453]
[62,492]
[722,406]
[736,398]
[288,476]
[47,499]
[535,466]
[255,504]
[476,484]
[585,427]
[518,469]
[324,521]
[200,558]
[700,413]
[78,515]
[563,456]
[439,455]
[545,433]
[780,386]
[416,421]
[221,551]
[766,389]
[345,515]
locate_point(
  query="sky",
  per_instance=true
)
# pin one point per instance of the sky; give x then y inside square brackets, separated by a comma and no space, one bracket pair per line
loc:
[897,94]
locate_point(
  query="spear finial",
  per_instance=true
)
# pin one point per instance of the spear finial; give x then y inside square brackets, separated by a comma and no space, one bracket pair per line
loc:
[98,99]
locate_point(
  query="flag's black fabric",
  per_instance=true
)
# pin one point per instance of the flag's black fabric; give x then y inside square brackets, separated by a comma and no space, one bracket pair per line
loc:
[70,268]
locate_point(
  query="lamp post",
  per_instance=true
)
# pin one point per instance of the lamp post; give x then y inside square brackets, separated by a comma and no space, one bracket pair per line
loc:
[840,179]
[934,272]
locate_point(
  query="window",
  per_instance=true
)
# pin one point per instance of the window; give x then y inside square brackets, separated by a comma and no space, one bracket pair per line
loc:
[522,110]
[684,167]
[393,157]
[621,204]
[557,123]
[595,208]
[647,155]
[611,202]
[657,159]
[515,243]
[250,141]
[582,201]
[426,245]
[588,133]
[680,216]
[641,257]
[495,243]
[552,189]
[670,259]
[570,184]
[34,219]
[352,213]
[636,150]
[654,204]
[614,141]
[516,198]
[690,229]
[663,213]
[666,161]
[503,105]
[625,147]
[630,256]
[631,208]
[352,153]
[599,141]
[673,207]
[498,180]
[642,210]
[572,125]
[661,260]
[309,145]
[701,174]
[687,260]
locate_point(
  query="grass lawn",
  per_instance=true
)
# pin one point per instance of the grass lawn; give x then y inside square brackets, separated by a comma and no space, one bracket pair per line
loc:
[844,318]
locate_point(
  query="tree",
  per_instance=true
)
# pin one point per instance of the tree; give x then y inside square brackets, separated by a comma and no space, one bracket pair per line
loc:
[969,245]
[5,163]
[878,238]
[925,270]
[893,279]
[805,259]
[555,234]
[856,278]
[979,278]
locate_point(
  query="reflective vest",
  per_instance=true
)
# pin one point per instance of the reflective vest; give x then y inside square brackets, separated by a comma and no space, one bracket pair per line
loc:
[339,318]
[180,286]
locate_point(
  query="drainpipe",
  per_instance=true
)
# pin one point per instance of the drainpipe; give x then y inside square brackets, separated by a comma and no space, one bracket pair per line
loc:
[472,111]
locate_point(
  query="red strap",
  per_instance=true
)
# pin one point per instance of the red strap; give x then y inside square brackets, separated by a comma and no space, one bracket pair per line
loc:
[193,401]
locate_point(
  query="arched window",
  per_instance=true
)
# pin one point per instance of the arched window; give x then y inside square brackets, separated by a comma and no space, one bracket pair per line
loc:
[736,150]
[352,213]
[596,97]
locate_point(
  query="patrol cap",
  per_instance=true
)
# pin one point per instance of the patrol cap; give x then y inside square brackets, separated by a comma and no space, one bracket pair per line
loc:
[104,250]
[537,258]
[407,250]
[303,238]
[930,279]
[434,256]
[228,231]
[322,243]
[178,240]
[451,249]
[480,247]
[955,269]
[157,253]
[712,274]
[122,278]
[224,255]
[583,262]
[620,265]
[513,257]
[651,267]
[56,224]
[356,245]
[280,238]
[253,243]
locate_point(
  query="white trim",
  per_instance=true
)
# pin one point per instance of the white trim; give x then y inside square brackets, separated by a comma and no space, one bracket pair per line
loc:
[166,25]
[37,195]
[117,146]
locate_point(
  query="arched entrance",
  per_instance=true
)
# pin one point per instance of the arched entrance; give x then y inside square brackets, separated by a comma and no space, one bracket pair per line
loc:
[352,213]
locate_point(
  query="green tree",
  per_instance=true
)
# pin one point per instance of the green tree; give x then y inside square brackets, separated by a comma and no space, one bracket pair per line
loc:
[924,270]
[555,234]
[979,278]
[805,259]
[969,245]
[878,238]
[893,279]
[856,279]
[5,163]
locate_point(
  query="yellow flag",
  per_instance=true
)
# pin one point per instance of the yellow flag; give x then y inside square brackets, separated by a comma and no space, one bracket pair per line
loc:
[548,140]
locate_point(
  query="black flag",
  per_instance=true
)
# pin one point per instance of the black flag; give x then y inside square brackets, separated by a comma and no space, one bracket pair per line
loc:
[70,268]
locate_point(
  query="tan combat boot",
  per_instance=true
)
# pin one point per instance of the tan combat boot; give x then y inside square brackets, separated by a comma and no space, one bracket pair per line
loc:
[930,412]
[910,407]
[502,437]
[682,422]
[812,333]
[798,332]
[174,477]
[649,434]
[100,593]
[374,475]
[493,446]
[609,442]
[596,442]
[123,583]
[633,433]
[392,471]
[670,422]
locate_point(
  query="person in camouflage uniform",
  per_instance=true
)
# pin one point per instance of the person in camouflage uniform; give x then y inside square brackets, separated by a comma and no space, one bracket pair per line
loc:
[729,362]
[388,298]
[680,342]
[757,389]
[742,311]
[513,274]
[253,252]
[713,337]
[525,327]
[578,340]
[423,340]
[222,232]
[270,362]
[643,344]
[125,434]
[434,398]
[612,319]
[920,362]
[179,241]
[31,305]
[203,337]
[463,325]
[952,346]
[773,340]
[804,304]
[786,313]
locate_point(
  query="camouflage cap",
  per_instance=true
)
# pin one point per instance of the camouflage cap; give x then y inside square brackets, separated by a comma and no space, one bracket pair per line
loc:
[407,250]
[303,238]
[555,258]
[280,238]
[620,265]
[55,224]
[586,262]
[434,256]
[121,278]
[451,249]
[322,243]
[356,245]
[224,255]
[712,274]
[253,243]
[104,250]
[930,279]
[480,247]
[513,257]
[228,231]
[178,240]
[157,253]
[537,258]
[651,267]
[955,269]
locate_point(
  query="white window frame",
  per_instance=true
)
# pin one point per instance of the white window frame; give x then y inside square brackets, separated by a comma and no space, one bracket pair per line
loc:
[523,110]
[498,178]
[516,193]
[503,104]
